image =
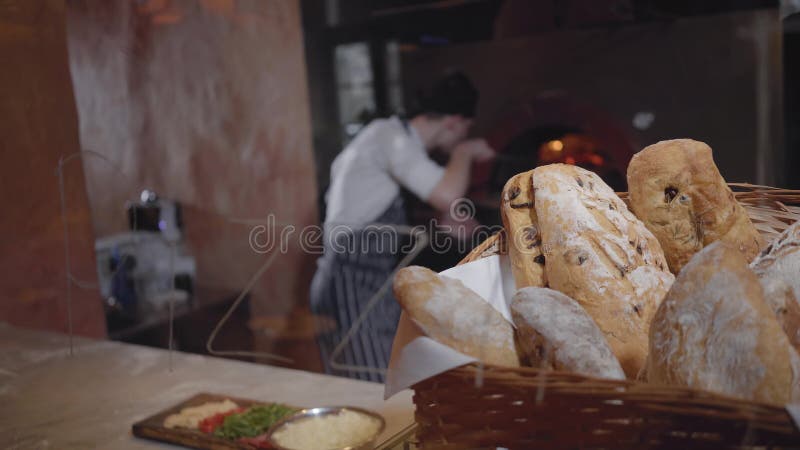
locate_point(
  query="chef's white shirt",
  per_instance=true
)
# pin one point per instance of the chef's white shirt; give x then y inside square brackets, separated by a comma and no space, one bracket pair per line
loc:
[367,175]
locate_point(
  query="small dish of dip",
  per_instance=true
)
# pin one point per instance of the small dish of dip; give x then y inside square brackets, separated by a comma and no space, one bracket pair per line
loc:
[328,428]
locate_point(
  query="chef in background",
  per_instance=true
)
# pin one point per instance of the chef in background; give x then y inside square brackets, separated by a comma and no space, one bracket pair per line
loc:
[366,181]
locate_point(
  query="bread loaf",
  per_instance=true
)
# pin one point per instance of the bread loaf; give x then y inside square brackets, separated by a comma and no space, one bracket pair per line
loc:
[598,253]
[554,332]
[778,270]
[524,243]
[677,191]
[456,316]
[714,331]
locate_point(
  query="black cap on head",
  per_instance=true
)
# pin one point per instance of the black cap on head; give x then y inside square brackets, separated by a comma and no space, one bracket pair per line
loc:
[453,94]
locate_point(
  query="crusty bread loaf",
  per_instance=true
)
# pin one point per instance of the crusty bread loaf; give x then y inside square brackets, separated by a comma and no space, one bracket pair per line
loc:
[677,191]
[554,332]
[714,331]
[598,253]
[524,243]
[778,270]
[456,316]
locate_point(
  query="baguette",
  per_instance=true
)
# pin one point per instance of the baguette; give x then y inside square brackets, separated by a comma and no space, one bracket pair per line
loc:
[679,194]
[778,270]
[601,255]
[554,332]
[455,316]
[714,331]
[522,229]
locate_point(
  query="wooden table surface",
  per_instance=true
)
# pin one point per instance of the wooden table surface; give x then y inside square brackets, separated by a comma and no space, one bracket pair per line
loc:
[51,400]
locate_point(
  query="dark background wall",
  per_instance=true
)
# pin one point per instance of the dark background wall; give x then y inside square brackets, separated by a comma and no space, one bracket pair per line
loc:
[791,67]
[715,78]
[40,125]
[712,70]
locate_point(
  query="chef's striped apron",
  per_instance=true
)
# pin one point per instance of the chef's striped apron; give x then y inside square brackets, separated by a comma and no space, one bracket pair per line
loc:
[343,285]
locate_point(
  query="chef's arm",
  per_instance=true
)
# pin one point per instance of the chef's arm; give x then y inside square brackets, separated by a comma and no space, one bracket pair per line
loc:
[456,178]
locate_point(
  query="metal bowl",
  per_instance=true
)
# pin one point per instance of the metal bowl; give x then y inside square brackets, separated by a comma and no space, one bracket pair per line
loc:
[369,444]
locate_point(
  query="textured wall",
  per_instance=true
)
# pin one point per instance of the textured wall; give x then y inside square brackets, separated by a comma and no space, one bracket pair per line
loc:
[204,102]
[714,78]
[38,125]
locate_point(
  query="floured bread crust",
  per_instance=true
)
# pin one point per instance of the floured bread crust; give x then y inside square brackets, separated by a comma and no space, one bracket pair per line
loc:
[522,229]
[554,332]
[714,331]
[601,255]
[455,316]
[778,270]
[679,194]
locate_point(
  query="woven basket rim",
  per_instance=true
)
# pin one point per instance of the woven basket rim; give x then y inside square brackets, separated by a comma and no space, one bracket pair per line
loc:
[641,386]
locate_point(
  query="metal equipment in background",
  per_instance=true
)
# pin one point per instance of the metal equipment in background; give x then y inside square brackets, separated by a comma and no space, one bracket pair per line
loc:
[142,270]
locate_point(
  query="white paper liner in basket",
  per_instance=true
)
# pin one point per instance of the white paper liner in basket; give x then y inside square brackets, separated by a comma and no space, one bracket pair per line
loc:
[416,357]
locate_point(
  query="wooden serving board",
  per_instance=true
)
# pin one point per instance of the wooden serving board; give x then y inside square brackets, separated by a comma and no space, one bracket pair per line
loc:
[153,426]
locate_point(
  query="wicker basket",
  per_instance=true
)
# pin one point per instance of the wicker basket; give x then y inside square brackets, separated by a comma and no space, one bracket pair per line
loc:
[479,406]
